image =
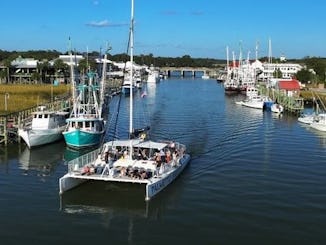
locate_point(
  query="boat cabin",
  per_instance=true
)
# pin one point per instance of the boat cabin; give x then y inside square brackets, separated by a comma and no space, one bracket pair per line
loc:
[89,124]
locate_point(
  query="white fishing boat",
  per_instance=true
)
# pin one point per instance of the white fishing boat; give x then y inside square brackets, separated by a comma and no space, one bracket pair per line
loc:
[251,91]
[46,127]
[256,101]
[133,160]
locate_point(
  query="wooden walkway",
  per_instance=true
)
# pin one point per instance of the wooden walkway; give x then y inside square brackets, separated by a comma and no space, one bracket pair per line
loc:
[10,123]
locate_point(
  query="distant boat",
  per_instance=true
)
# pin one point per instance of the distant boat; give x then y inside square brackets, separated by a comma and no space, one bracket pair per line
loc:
[153,76]
[231,86]
[127,83]
[47,127]
[205,77]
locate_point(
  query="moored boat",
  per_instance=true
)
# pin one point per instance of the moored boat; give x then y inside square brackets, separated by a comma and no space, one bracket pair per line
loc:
[319,122]
[46,127]
[277,108]
[153,164]
[306,118]
[86,126]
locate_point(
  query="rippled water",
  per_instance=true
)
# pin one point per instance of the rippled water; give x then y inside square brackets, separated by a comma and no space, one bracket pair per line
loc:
[254,178]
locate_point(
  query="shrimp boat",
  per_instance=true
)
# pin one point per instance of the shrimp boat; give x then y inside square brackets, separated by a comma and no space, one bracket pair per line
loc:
[135,160]
[86,126]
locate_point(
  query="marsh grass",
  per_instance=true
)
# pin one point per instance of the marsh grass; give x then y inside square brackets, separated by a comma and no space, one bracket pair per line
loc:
[20,97]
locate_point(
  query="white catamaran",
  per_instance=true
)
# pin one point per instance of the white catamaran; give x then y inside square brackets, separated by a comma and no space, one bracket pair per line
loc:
[134,160]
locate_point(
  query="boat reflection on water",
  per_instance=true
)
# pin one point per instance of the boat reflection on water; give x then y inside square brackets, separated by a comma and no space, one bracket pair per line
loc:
[99,197]
[319,134]
[70,153]
[43,159]
[117,205]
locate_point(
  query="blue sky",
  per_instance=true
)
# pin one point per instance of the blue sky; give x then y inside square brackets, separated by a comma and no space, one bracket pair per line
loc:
[199,28]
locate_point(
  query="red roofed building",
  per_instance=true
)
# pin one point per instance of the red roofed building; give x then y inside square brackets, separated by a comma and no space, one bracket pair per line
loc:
[289,87]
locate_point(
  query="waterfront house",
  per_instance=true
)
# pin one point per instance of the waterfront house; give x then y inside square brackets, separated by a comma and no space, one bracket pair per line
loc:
[289,87]
[288,70]
[22,69]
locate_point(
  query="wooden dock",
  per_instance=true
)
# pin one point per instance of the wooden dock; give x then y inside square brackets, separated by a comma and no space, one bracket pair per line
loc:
[291,104]
[10,123]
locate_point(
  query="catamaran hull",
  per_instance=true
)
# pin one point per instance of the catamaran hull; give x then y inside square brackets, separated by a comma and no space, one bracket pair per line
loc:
[66,183]
[80,139]
[155,187]
[35,138]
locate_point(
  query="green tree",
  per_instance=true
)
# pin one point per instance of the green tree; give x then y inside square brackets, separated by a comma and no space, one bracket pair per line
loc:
[42,69]
[304,75]
[35,77]
[84,65]
[7,63]
[277,73]
[60,68]
[3,75]
[318,65]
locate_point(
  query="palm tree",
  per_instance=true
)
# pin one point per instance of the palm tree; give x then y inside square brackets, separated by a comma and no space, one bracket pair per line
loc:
[3,75]
[60,68]
[7,63]
[43,68]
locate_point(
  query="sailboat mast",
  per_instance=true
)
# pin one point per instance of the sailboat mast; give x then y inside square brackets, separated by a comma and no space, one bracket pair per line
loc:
[132,67]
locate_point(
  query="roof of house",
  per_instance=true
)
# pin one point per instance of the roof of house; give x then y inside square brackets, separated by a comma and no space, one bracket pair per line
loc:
[289,84]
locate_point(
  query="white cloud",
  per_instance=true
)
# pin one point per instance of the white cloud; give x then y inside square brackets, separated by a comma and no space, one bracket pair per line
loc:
[105,23]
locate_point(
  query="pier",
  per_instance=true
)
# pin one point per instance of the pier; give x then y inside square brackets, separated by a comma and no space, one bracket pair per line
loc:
[10,123]
[292,104]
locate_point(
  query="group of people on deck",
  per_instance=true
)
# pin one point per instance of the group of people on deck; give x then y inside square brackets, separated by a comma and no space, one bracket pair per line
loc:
[163,159]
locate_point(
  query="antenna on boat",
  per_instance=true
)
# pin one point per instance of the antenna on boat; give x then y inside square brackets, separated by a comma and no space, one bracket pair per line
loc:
[72,77]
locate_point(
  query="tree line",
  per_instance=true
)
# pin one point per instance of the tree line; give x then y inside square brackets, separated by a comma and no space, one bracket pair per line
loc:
[314,67]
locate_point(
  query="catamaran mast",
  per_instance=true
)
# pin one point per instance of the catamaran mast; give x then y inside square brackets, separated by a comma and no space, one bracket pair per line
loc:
[132,67]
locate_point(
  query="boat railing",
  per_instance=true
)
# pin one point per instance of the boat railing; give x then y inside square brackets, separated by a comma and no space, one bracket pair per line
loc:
[79,162]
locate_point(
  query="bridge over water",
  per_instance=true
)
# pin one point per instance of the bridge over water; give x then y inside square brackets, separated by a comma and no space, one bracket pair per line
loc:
[189,71]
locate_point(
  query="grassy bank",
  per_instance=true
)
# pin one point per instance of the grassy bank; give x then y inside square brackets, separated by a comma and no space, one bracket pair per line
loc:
[19,97]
